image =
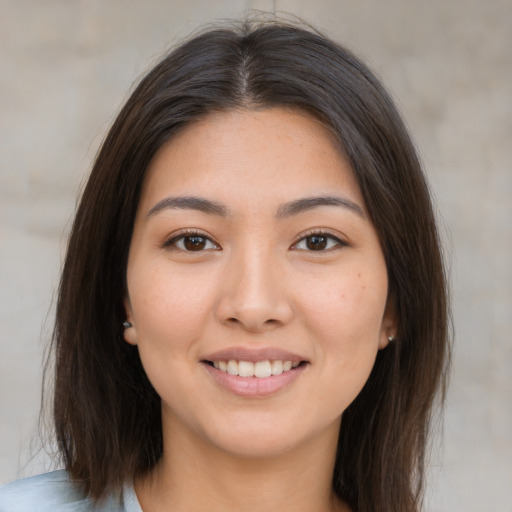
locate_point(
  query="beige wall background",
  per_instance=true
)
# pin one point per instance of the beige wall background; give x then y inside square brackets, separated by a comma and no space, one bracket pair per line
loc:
[67,66]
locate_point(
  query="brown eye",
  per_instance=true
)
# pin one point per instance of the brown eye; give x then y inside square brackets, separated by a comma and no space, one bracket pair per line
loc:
[319,242]
[194,243]
[316,242]
[191,243]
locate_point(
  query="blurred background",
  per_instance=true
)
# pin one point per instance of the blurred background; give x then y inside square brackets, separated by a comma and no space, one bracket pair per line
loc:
[68,65]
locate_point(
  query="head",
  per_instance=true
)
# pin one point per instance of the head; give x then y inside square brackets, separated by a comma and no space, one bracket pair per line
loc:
[107,413]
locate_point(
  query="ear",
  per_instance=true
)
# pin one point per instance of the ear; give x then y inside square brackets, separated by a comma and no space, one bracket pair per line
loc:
[130,333]
[389,326]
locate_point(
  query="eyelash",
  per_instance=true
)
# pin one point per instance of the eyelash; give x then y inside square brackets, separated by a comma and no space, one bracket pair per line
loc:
[171,243]
[321,233]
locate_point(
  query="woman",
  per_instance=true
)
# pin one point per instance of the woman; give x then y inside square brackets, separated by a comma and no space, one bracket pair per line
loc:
[252,313]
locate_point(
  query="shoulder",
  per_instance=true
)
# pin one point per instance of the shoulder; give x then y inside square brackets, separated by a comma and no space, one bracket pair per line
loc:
[50,492]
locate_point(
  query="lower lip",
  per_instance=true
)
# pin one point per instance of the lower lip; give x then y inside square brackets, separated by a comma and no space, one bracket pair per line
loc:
[254,386]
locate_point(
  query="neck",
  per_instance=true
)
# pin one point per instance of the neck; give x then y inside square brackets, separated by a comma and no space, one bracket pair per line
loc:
[194,476]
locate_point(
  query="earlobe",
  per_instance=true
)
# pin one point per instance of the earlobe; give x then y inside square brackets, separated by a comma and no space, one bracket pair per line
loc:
[130,333]
[389,326]
[385,340]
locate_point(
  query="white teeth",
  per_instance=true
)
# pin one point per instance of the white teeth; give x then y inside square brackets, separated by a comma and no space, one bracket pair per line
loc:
[260,369]
[245,369]
[232,367]
[277,367]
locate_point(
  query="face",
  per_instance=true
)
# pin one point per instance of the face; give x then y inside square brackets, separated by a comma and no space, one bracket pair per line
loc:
[256,283]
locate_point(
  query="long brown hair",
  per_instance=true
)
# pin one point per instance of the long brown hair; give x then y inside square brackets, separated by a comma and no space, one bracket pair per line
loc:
[106,413]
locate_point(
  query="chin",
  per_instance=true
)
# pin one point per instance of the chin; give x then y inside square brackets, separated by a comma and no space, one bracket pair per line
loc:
[270,438]
[251,447]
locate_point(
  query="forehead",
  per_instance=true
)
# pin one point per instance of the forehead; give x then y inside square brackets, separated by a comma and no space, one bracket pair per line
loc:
[244,155]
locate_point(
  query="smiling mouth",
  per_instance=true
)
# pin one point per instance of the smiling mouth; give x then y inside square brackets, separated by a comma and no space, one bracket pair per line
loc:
[259,369]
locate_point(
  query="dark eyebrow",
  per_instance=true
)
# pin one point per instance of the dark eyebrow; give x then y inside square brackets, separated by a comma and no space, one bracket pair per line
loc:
[308,203]
[189,203]
[285,210]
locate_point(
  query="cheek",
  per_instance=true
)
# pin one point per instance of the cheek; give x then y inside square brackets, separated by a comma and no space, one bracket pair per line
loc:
[170,312]
[170,307]
[344,320]
[345,316]
[350,303]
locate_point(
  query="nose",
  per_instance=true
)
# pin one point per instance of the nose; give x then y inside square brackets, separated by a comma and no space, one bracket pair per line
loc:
[254,294]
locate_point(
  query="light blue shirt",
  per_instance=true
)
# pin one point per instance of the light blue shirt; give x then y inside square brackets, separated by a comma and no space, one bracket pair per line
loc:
[55,492]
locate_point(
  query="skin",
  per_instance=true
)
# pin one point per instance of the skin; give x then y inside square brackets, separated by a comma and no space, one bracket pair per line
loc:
[254,282]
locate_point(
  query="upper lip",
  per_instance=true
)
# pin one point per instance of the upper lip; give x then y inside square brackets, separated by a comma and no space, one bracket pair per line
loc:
[254,355]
